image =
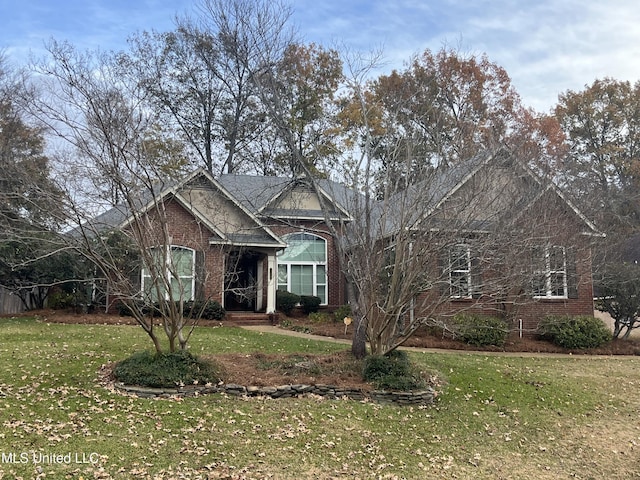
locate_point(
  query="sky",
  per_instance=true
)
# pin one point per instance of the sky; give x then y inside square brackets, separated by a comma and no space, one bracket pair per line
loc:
[546,46]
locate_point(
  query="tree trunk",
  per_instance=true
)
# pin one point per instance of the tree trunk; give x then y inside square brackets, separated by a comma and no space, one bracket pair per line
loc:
[617,328]
[156,342]
[359,339]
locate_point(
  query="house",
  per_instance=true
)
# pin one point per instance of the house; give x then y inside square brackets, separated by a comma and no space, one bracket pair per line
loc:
[238,238]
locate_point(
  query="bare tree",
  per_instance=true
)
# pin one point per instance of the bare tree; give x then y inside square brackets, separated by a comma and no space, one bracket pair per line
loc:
[201,75]
[484,233]
[104,124]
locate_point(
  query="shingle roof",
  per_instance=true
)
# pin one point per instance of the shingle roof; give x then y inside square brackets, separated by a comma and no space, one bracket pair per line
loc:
[256,194]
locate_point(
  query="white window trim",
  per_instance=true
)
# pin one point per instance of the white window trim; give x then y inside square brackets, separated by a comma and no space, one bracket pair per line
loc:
[466,271]
[313,264]
[548,273]
[169,274]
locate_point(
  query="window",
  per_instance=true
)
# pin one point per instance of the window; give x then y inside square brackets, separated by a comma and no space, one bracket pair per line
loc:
[460,271]
[302,266]
[175,268]
[550,272]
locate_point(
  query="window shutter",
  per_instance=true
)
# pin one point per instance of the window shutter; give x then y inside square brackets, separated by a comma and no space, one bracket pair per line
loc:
[443,273]
[135,277]
[476,277]
[572,274]
[200,275]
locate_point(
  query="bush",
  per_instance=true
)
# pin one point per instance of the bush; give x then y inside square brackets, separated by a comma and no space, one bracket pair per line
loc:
[578,332]
[61,300]
[393,371]
[310,303]
[341,312]
[165,370]
[286,301]
[480,330]
[125,311]
[209,310]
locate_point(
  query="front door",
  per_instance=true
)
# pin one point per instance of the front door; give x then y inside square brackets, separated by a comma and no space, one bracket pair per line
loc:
[241,281]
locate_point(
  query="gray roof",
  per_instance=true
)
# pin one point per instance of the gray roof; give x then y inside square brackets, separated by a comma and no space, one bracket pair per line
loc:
[256,193]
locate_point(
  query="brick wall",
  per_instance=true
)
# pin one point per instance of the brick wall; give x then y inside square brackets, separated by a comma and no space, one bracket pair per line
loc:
[185,230]
[521,310]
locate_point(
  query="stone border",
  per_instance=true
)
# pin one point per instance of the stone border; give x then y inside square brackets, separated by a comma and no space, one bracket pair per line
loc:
[421,397]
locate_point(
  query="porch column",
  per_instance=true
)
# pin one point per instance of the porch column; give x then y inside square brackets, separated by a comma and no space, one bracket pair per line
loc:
[272,282]
[259,285]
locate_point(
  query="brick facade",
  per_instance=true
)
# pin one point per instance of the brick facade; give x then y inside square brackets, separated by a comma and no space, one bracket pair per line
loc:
[196,229]
[521,310]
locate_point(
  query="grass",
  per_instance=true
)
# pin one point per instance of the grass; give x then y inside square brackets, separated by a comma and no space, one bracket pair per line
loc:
[499,417]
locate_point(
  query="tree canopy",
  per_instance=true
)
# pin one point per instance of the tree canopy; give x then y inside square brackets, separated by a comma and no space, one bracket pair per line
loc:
[602,128]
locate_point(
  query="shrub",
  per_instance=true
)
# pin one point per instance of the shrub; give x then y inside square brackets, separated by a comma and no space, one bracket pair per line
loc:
[578,332]
[146,309]
[341,312]
[61,300]
[209,310]
[310,303]
[125,311]
[393,371]
[166,370]
[480,330]
[286,301]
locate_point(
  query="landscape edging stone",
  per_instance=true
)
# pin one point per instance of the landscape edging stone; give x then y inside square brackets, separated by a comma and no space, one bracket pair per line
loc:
[419,397]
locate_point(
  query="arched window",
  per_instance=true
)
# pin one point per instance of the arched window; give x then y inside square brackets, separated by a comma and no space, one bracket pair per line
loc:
[302,266]
[175,267]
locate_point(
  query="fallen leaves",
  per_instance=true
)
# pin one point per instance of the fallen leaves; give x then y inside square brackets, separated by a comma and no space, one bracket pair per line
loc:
[50,401]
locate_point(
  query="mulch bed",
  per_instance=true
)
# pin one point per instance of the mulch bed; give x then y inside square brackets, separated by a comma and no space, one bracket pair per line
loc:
[422,338]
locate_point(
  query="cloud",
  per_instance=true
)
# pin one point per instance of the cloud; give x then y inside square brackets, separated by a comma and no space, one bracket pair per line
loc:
[546,47]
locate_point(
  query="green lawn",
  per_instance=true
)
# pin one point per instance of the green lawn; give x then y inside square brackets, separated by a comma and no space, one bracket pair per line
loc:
[498,417]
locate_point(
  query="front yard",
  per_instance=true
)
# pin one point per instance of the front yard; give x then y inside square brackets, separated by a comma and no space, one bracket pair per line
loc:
[497,417]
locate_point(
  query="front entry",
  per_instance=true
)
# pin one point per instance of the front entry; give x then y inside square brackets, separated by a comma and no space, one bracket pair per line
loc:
[242,284]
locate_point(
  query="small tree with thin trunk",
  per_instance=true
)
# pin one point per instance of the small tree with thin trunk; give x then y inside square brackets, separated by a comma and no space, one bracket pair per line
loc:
[111,167]
[411,248]
[619,290]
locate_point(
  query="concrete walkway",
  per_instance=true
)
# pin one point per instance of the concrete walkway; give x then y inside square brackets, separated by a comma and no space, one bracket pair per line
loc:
[283,331]
[291,333]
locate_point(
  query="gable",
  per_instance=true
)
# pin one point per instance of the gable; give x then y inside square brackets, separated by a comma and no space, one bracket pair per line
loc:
[504,191]
[209,204]
[488,195]
[229,219]
[301,201]
[185,227]
[300,197]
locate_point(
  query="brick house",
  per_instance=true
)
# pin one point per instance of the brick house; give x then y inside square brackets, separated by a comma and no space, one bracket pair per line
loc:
[240,238]
[237,239]
[538,261]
